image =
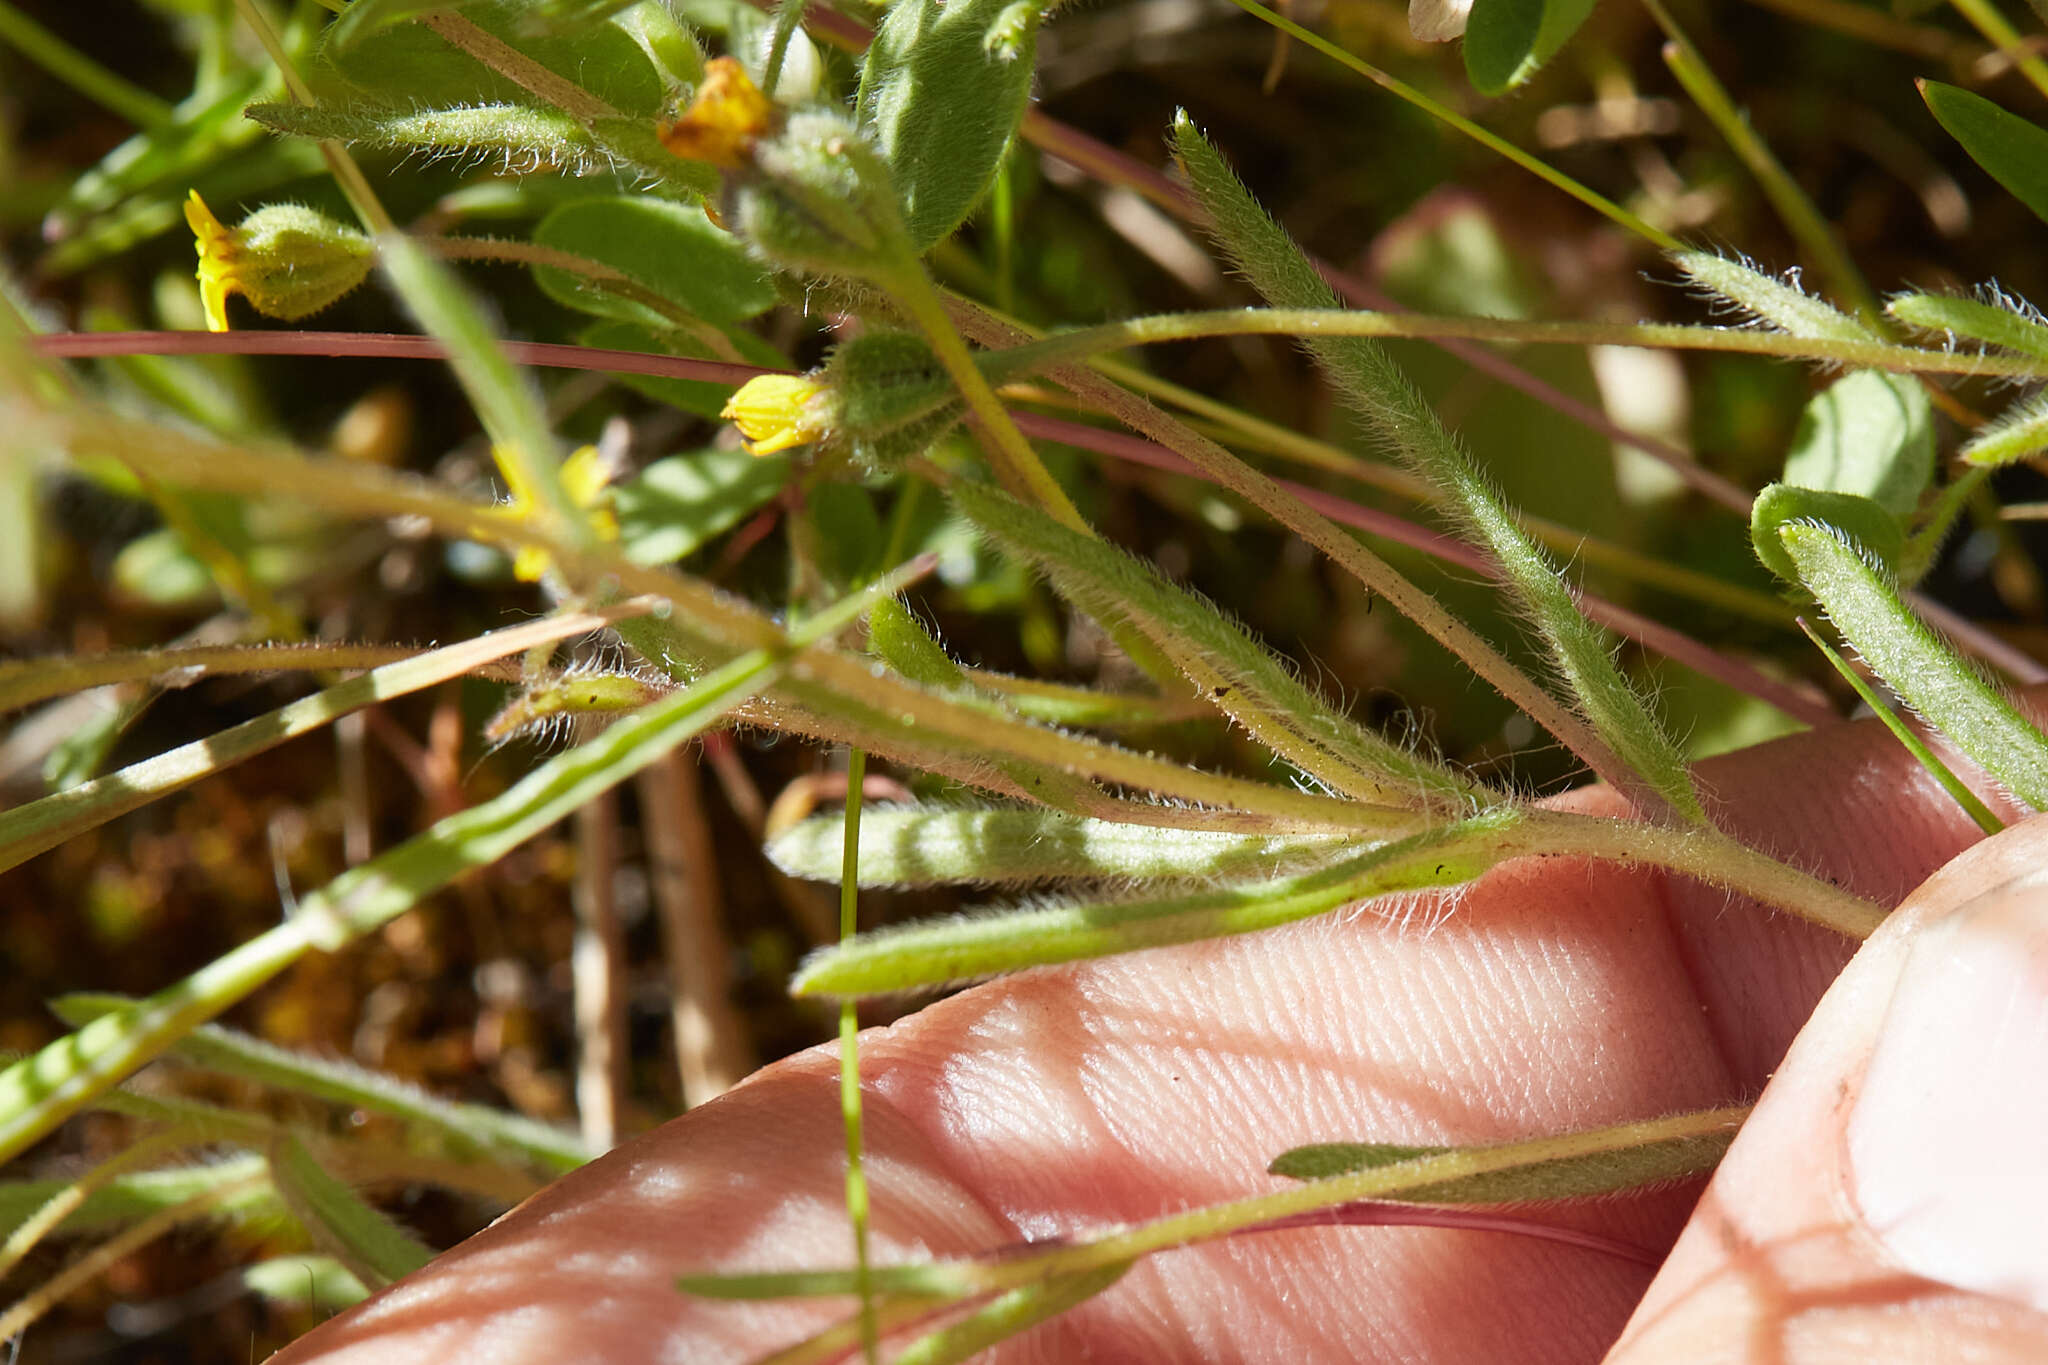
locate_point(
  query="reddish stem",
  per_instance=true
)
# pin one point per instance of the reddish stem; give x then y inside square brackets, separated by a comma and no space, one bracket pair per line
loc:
[1673,644]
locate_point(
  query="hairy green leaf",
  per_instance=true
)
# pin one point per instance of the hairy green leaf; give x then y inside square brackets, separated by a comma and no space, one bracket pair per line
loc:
[1225,664]
[1979,813]
[2008,322]
[669,248]
[936,953]
[1377,389]
[1875,528]
[1926,673]
[945,87]
[899,639]
[2018,432]
[409,63]
[927,847]
[1780,305]
[372,1247]
[511,138]
[1868,433]
[1571,1177]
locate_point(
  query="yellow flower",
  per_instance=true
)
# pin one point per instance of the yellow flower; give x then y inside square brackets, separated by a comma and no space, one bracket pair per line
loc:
[218,253]
[287,260]
[584,476]
[777,411]
[727,114]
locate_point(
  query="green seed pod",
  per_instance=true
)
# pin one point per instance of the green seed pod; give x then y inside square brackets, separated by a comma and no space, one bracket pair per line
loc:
[287,260]
[894,397]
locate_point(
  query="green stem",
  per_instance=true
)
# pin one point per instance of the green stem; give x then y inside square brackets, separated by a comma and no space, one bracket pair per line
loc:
[1794,207]
[1926,757]
[515,66]
[1306,323]
[347,174]
[1016,464]
[1361,563]
[849,1062]
[1492,141]
[81,72]
[1204,1224]
[1707,855]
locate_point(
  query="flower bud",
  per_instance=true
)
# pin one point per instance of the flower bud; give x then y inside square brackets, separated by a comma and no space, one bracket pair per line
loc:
[777,411]
[882,397]
[287,260]
[817,199]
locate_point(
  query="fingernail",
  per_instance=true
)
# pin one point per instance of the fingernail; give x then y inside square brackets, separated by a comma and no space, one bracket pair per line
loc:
[1948,1146]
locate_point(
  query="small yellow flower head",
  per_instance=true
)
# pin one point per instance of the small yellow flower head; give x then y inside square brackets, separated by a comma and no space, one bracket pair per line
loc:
[584,476]
[777,411]
[728,113]
[218,252]
[286,260]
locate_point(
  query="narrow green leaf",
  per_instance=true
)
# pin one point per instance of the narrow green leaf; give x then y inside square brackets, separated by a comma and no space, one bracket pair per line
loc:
[515,138]
[944,87]
[1377,389]
[1506,41]
[474,1127]
[2013,150]
[372,1247]
[2018,432]
[1321,1160]
[1903,733]
[669,248]
[929,847]
[1926,672]
[936,953]
[2007,322]
[1876,529]
[1223,662]
[1868,433]
[1570,1177]
[1774,302]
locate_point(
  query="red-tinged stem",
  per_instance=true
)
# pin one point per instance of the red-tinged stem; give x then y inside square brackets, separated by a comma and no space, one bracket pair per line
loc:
[382,345]
[1673,644]
[1653,635]
[1370,1213]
